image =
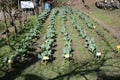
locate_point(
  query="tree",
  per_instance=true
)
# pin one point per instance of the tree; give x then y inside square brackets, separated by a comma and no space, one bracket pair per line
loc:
[36,6]
[2,8]
[7,7]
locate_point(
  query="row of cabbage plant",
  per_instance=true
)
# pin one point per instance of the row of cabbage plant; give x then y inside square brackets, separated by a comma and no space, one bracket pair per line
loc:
[85,18]
[89,41]
[26,44]
[67,50]
[49,39]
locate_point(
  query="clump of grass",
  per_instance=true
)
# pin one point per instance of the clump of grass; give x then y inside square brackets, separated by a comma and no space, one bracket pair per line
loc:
[2,26]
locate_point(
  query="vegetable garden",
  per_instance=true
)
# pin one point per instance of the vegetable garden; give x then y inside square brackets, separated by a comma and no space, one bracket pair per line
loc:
[68,48]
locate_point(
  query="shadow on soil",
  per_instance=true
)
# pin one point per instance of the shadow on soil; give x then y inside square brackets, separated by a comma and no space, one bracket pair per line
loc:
[106,77]
[11,75]
[33,77]
[85,68]
[81,69]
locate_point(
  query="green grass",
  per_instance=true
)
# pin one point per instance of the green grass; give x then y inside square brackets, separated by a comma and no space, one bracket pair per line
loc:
[109,17]
[2,26]
[5,51]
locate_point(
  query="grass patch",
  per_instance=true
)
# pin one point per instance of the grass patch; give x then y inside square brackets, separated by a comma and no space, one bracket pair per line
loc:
[109,17]
[6,51]
[2,26]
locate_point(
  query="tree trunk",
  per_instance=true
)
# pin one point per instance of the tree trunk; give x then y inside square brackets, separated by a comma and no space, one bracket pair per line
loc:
[12,21]
[55,3]
[42,2]
[6,26]
[20,22]
[21,19]
[36,7]
[18,4]
[13,24]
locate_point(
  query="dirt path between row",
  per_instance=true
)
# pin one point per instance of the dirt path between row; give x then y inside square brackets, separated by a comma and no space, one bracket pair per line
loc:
[59,41]
[80,53]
